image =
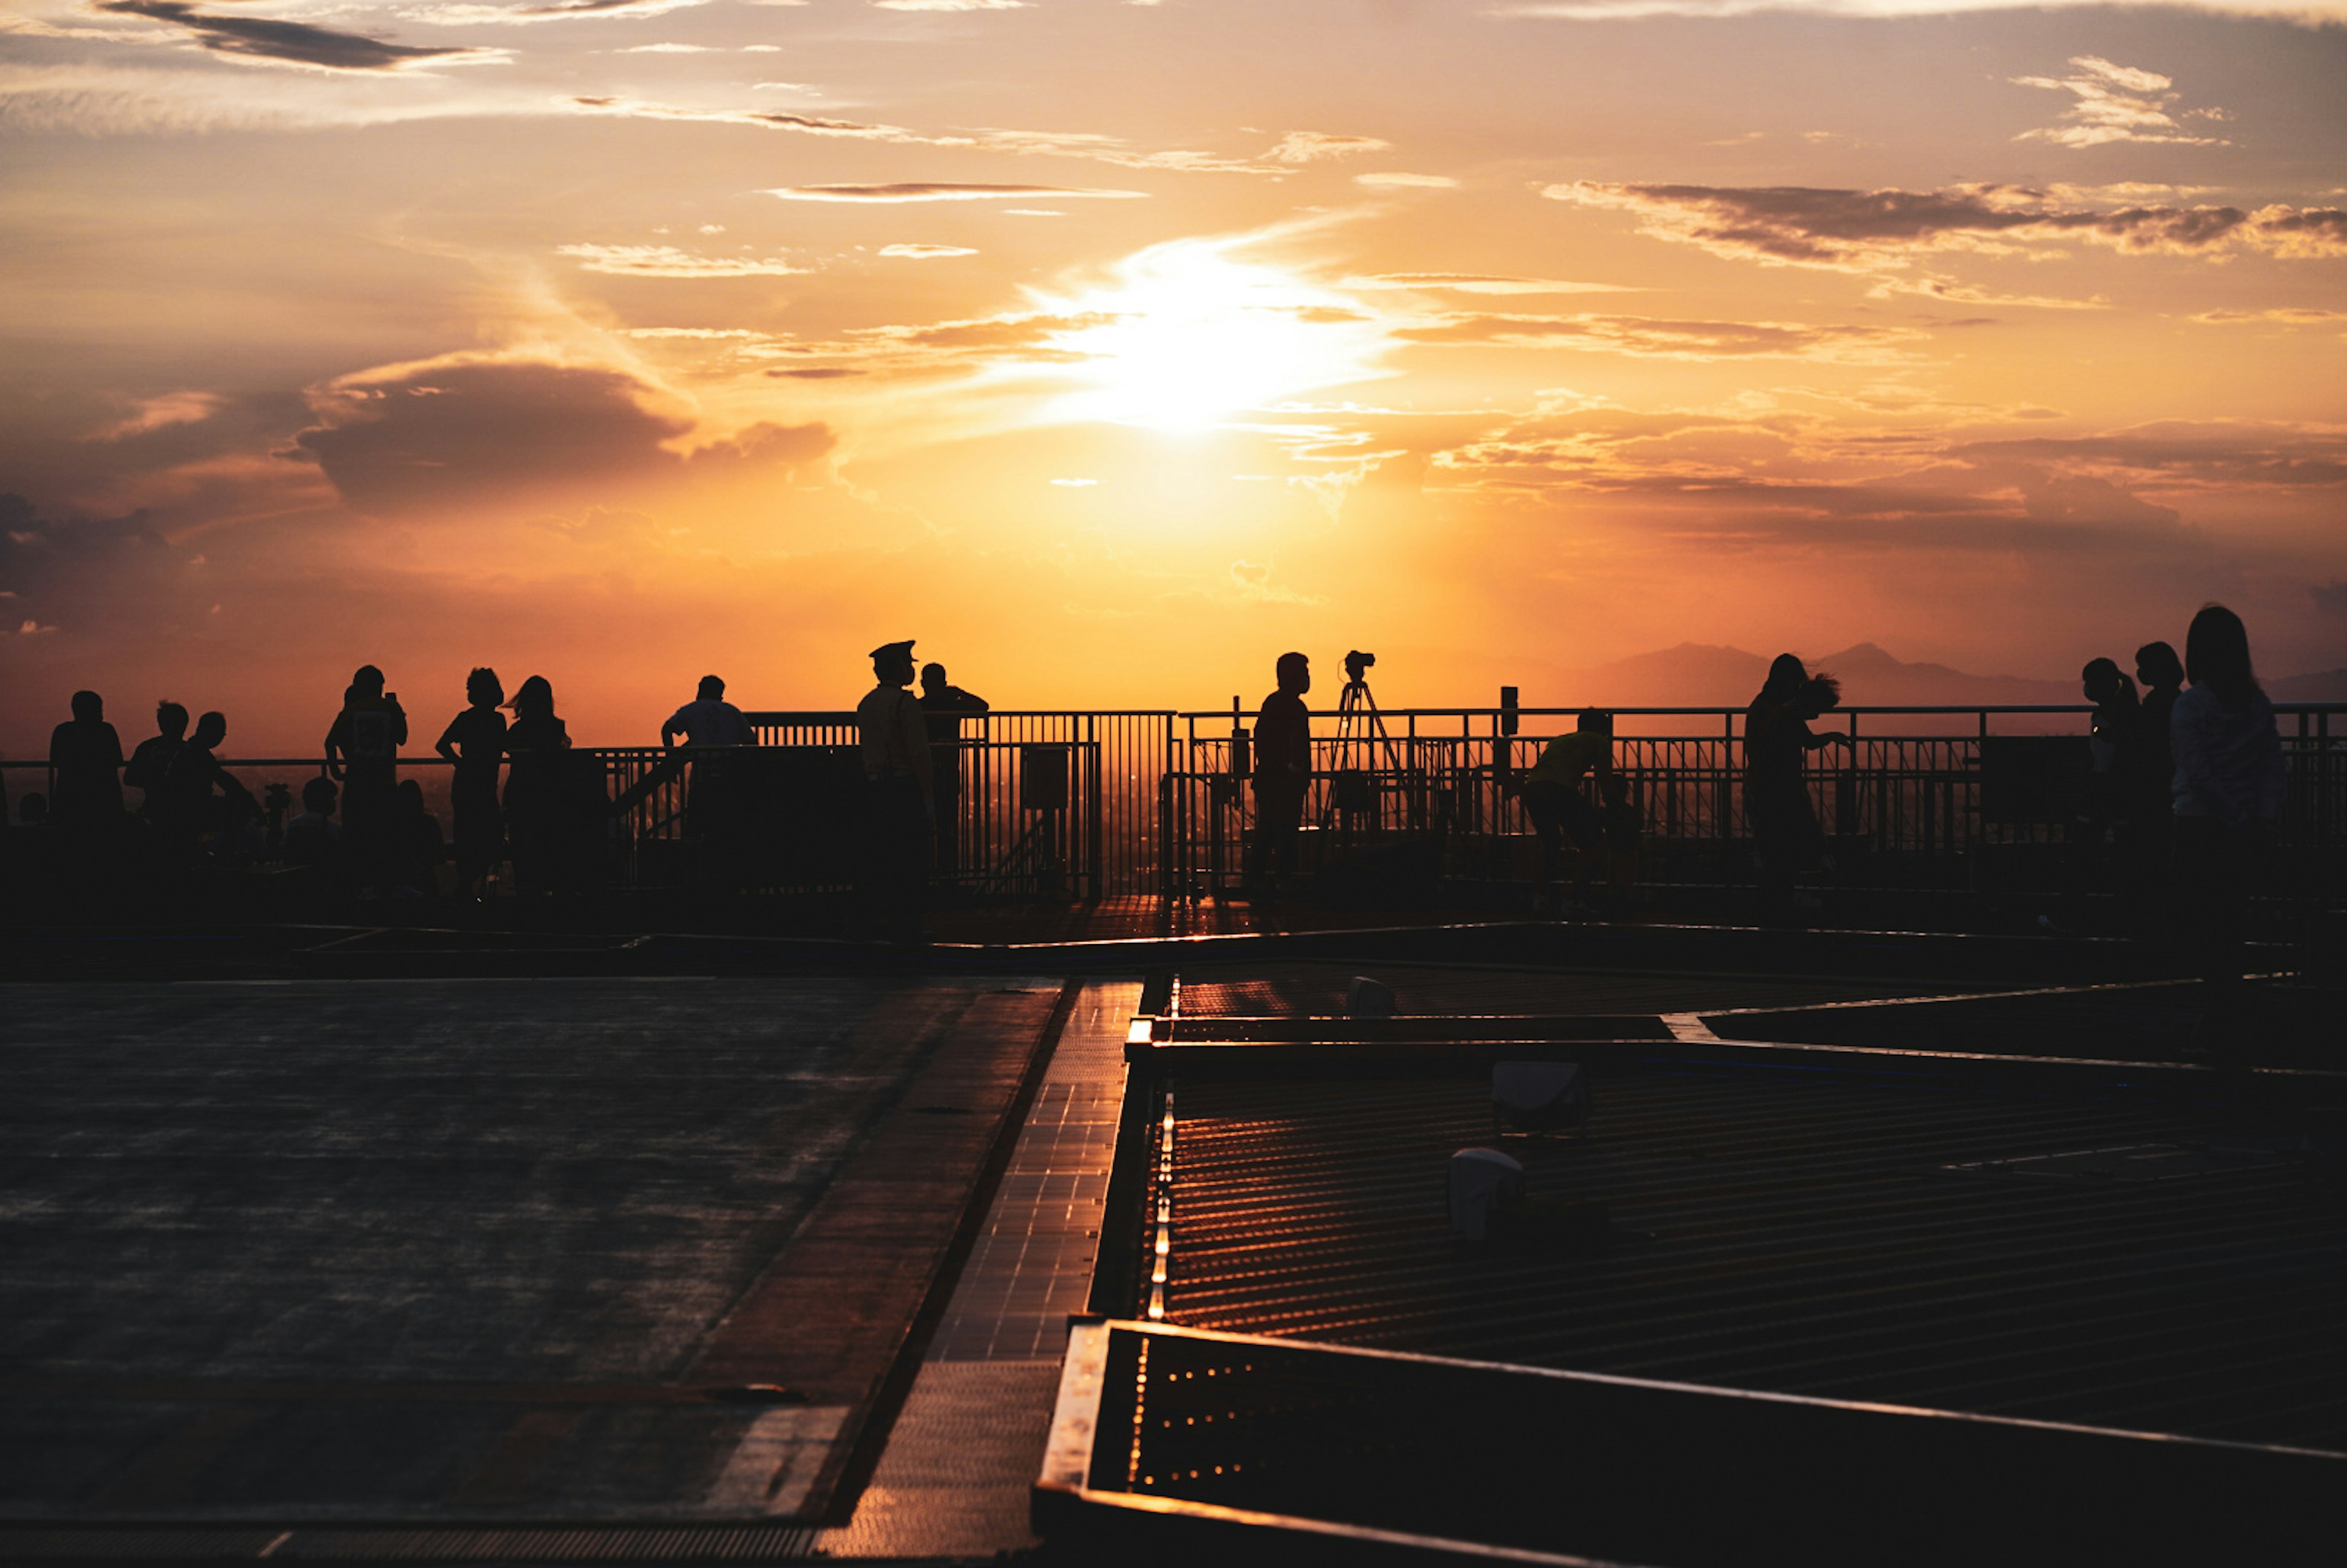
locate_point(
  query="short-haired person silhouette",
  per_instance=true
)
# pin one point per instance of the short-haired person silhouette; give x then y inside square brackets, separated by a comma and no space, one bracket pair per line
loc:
[200,795]
[707,723]
[943,705]
[314,838]
[1283,774]
[475,741]
[2111,736]
[2228,795]
[1777,741]
[2148,787]
[84,770]
[900,802]
[362,751]
[152,758]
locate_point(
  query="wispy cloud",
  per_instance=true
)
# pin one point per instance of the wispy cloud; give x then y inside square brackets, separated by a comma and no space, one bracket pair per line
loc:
[158,413]
[943,191]
[1646,337]
[292,42]
[465,14]
[926,253]
[1314,146]
[949,4]
[667,262]
[1406,181]
[1883,230]
[2116,103]
[1089,146]
[1480,283]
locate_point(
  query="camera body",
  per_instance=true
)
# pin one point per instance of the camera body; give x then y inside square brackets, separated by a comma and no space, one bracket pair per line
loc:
[1357,661]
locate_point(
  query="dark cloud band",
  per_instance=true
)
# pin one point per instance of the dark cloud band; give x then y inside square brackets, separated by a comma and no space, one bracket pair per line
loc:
[297,43]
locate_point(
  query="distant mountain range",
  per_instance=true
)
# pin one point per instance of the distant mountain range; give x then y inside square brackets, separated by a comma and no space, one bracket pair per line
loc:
[1698,675]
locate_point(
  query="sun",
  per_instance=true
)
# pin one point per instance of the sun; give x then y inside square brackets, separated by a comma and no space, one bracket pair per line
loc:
[1188,337]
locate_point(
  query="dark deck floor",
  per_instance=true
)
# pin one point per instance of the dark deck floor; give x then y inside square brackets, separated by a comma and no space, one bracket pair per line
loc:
[1797,1232]
[455,1248]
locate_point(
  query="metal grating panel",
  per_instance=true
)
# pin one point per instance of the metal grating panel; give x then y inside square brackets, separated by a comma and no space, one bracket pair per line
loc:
[1792,1235]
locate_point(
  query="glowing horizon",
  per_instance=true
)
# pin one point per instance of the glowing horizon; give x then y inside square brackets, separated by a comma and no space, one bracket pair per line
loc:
[1112,349]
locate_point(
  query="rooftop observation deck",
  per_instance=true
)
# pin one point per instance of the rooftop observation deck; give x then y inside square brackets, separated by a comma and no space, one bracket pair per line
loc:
[545,1235]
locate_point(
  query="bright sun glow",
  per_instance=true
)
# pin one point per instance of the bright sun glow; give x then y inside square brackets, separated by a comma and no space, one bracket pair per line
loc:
[1188,337]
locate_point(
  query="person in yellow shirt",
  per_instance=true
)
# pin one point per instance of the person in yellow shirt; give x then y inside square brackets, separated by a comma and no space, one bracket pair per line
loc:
[1559,809]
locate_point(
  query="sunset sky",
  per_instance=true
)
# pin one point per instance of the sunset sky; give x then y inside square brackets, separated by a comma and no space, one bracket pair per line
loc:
[1110,349]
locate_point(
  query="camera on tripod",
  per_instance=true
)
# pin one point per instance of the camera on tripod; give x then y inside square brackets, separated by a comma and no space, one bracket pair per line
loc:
[1356,661]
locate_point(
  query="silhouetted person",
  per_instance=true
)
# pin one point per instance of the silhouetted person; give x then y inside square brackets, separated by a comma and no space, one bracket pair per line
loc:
[421,846]
[152,760]
[313,837]
[1283,773]
[2112,736]
[2148,787]
[85,771]
[1777,739]
[475,741]
[2228,794]
[362,751]
[899,803]
[199,797]
[944,704]
[1553,799]
[706,723]
[537,797]
[33,811]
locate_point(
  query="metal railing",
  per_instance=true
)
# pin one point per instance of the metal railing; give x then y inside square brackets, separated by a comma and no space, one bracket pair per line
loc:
[1903,804]
[1103,803]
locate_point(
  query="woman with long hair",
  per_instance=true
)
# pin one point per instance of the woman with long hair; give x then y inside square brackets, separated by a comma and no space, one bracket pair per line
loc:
[1777,739]
[537,742]
[2228,794]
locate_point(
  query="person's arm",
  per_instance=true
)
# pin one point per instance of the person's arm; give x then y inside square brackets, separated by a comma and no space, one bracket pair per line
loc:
[446,745]
[398,724]
[973,703]
[334,749]
[674,726]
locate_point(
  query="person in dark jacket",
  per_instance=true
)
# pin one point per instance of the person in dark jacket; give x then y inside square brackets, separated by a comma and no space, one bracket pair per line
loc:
[1282,775]
[84,770]
[362,755]
[152,758]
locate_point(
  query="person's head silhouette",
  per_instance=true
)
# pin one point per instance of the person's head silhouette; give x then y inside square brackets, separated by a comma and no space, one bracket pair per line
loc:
[366,682]
[712,690]
[481,688]
[535,699]
[211,731]
[88,707]
[2102,680]
[933,677]
[319,795]
[1786,676]
[2216,655]
[892,663]
[1293,671]
[170,719]
[1594,721]
[2157,667]
[411,798]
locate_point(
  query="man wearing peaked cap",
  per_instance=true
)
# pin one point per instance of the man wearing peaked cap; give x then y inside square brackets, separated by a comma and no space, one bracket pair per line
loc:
[893,740]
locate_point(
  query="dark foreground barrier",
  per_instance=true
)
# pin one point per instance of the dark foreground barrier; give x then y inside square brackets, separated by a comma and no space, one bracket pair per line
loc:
[1267,1449]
